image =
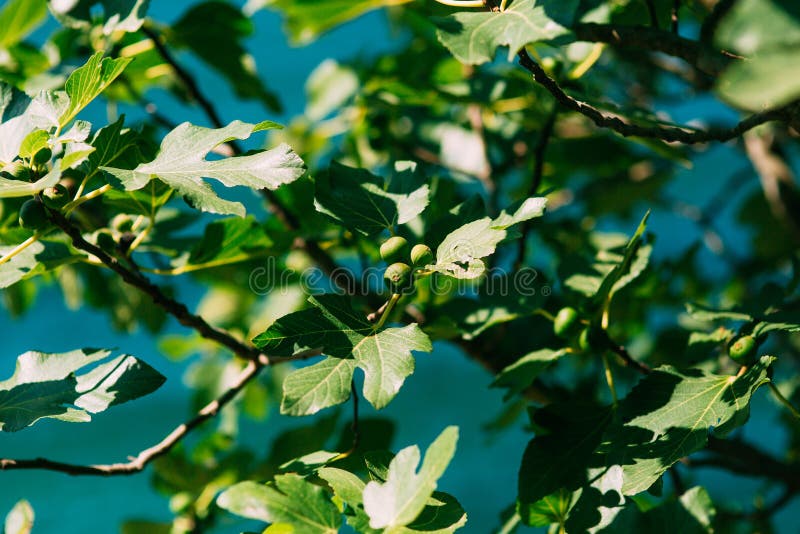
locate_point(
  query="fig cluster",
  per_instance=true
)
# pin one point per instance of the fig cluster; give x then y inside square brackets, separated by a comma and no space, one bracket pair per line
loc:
[402,261]
[567,324]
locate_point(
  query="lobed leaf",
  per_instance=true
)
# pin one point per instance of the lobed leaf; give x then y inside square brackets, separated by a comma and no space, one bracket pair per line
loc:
[459,254]
[49,386]
[474,37]
[400,499]
[88,81]
[350,341]
[291,501]
[181,165]
[361,201]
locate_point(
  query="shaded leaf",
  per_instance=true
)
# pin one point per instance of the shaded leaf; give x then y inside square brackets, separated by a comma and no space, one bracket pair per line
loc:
[559,456]
[669,415]
[361,201]
[612,271]
[521,374]
[47,385]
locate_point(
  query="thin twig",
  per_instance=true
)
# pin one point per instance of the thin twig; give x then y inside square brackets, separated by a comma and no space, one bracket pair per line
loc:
[713,19]
[673,16]
[626,357]
[697,54]
[746,459]
[622,126]
[170,305]
[138,463]
[783,400]
[187,79]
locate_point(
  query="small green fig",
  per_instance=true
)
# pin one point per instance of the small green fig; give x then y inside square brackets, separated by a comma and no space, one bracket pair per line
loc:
[122,223]
[42,157]
[397,276]
[106,241]
[32,215]
[566,322]
[592,338]
[56,197]
[743,348]
[394,249]
[421,255]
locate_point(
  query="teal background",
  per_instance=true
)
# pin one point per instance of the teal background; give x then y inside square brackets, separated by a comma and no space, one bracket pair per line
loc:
[447,388]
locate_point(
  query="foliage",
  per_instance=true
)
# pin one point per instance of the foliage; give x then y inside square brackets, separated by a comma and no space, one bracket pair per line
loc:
[515,204]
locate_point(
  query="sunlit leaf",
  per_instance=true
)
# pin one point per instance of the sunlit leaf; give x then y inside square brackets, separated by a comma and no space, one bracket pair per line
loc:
[291,500]
[181,164]
[400,499]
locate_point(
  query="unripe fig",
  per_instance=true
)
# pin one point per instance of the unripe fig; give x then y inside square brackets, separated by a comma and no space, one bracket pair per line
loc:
[394,249]
[583,340]
[743,348]
[106,241]
[421,255]
[566,322]
[16,170]
[397,276]
[56,197]
[592,338]
[32,215]
[122,223]
[43,156]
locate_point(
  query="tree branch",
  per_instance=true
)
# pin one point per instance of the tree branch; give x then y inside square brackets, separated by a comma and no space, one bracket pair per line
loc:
[187,79]
[626,357]
[146,456]
[713,19]
[622,125]
[170,305]
[745,459]
[649,39]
